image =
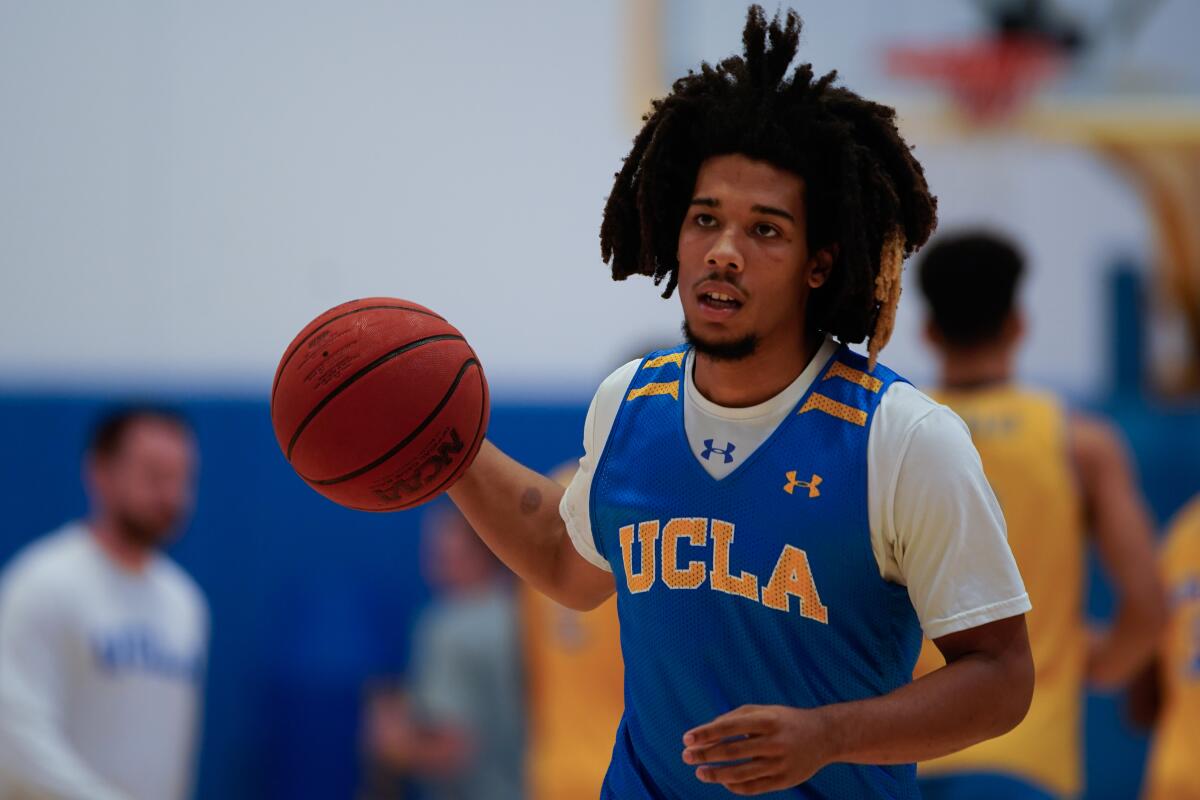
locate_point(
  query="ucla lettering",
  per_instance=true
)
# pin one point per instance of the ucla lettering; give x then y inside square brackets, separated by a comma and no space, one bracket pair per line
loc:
[137,648]
[746,584]
[694,530]
[643,579]
[651,550]
[792,577]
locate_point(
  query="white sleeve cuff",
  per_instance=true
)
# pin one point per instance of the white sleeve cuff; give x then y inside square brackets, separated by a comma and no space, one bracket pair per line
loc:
[581,535]
[978,616]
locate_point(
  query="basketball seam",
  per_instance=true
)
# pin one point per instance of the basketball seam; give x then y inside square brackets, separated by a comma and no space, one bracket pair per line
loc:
[288,358]
[441,337]
[456,473]
[407,439]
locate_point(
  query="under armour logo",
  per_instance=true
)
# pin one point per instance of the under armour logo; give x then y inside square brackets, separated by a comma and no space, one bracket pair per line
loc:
[811,485]
[709,450]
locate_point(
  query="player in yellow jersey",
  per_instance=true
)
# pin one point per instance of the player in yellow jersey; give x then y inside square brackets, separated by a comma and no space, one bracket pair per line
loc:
[1057,474]
[1173,773]
[570,728]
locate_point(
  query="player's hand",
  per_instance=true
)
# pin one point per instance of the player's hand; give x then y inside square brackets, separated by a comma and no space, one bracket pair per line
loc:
[775,747]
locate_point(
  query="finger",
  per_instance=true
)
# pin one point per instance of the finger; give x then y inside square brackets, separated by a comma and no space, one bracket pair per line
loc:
[730,751]
[744,721]
[755,769]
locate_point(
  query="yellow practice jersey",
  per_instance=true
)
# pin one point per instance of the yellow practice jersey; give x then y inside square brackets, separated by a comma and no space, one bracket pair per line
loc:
[575,674]
[1022,438]
[1174,773]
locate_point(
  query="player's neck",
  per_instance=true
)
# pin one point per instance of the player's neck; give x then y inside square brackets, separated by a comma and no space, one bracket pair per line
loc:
[978,367]
[759,377]
[126,554]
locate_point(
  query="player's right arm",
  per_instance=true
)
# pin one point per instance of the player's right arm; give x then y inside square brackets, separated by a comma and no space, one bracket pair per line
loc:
[1125,542]
[515,511]
[36,758]
[541,531]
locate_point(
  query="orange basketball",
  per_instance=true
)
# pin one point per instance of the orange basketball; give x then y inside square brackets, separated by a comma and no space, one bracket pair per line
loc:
[379,404]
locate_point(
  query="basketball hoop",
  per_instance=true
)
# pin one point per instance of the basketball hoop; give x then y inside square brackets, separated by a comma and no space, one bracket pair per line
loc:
[1154,140]
[987,79]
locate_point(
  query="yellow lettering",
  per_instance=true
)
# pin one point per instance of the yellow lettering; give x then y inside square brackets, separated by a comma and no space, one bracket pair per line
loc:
[648,534]
[792,576]
[693,530]
[746,584]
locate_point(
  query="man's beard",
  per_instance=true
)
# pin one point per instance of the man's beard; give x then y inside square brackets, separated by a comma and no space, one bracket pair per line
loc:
[734,350]
[142,532]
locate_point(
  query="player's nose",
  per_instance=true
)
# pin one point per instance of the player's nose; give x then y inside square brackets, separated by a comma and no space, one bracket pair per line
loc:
[725,253]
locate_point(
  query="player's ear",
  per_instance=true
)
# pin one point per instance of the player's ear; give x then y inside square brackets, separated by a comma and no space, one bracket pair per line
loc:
[820,266]
[932,335]
[1014,327]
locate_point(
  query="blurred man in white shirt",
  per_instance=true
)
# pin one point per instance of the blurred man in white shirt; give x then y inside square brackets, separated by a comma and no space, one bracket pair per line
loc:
[102,637]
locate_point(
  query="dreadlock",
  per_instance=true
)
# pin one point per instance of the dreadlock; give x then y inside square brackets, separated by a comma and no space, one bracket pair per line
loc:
[865,193]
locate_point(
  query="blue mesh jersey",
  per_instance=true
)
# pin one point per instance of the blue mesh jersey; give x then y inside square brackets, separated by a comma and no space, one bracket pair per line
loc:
[759,588]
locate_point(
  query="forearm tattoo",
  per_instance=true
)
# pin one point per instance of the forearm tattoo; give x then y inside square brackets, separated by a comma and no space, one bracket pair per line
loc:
[531,501]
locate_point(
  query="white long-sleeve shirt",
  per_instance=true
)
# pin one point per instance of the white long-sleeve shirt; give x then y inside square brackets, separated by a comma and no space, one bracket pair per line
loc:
[100,674]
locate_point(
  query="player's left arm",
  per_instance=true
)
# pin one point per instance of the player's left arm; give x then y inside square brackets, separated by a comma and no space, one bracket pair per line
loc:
[1124,539]
[983,691]
[938,530]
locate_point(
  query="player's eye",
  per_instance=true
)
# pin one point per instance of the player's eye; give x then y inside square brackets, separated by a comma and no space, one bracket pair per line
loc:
[705,220]
[766,231]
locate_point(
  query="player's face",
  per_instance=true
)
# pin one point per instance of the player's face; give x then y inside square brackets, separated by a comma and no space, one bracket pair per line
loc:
[744,266]
[147,485]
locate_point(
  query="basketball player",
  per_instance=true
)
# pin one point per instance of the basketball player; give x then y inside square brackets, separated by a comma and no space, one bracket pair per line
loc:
[570,728]
[1172,772]
[778,516]
[1057,474]
[460,731]
[102,637]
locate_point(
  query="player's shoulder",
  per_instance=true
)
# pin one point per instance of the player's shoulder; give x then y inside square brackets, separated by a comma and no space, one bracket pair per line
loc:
[612,392]
[1098,448]
[909,422]
[1094,433]
[905,409]
[612,389]
[180,585]
[52,562]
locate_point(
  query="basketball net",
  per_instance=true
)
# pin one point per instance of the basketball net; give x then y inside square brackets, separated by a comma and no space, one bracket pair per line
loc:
[988,79]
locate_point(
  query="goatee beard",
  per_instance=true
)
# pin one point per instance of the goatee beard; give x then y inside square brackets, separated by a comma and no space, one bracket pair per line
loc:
[141,533]
[734,350]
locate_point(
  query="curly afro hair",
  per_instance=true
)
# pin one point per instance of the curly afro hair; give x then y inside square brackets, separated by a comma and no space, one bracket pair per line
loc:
[865,194]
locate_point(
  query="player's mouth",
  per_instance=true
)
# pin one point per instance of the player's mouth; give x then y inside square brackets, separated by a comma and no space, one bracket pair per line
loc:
[718,301]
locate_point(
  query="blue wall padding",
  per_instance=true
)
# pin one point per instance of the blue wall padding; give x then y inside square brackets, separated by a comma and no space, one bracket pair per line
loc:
[311,601]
